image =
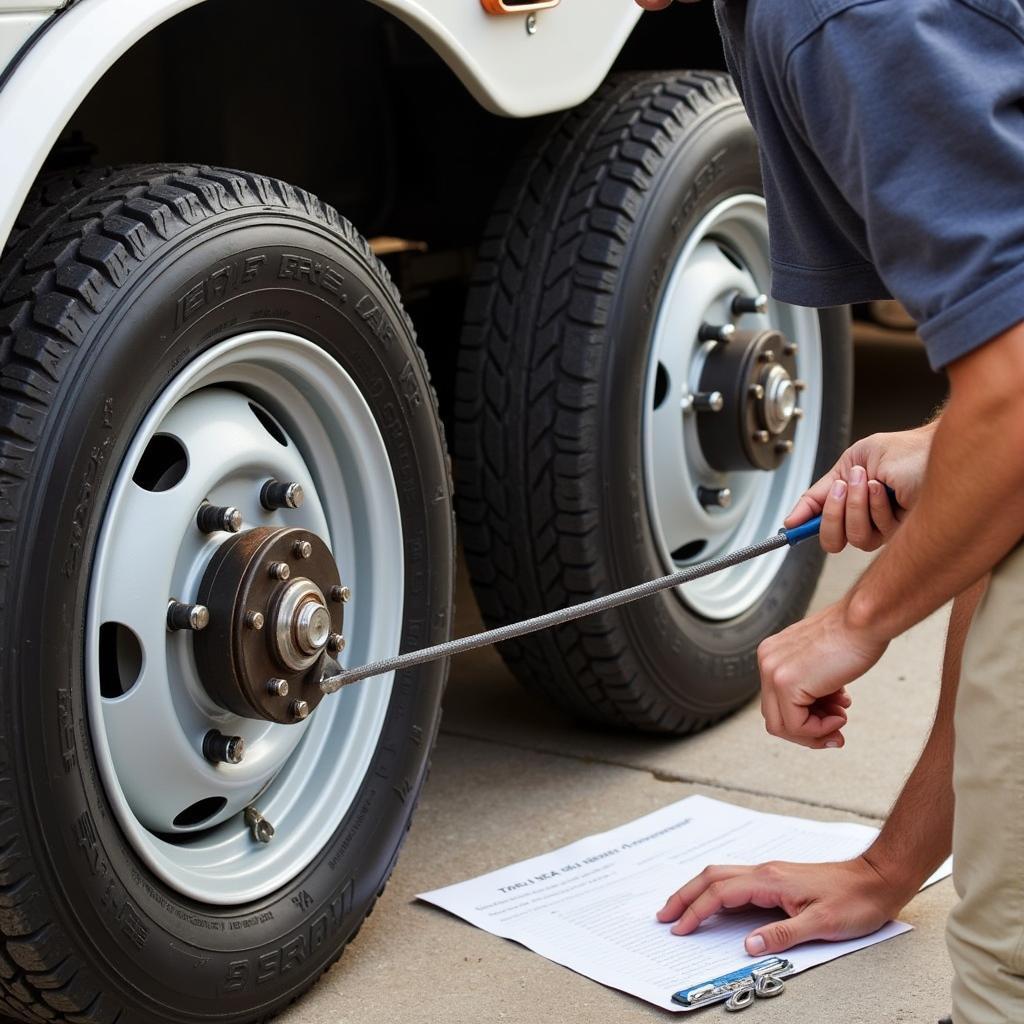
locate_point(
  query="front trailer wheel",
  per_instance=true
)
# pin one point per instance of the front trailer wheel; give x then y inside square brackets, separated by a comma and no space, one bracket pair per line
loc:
[221,473]
[630,403]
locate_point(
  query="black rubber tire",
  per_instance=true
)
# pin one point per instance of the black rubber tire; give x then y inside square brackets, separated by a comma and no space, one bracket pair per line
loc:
[91,330]
[549,474]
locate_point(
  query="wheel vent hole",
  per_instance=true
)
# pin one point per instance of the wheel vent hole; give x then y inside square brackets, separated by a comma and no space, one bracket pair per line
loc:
[272,427]
[163,464]
[120,659]
[660,385]
[731,257]
[200,811]
[690,551]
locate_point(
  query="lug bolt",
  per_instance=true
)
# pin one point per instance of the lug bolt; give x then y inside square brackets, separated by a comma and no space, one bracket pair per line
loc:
[711,401]
[767,356]
[716,332]
[341,594]
[262,830]
[279,570]
[254,620]
[274,494]
[762,436]
[790,348]
[714,497]
[299,709]
[800,385]
[211,518]
[187,616]
[756,391]
[336,643]
[750,304]
[302,549]
[277,687]
[221,749]
[783,447]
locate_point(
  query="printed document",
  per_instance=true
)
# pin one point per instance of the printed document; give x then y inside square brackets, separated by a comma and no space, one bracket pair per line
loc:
[590,905]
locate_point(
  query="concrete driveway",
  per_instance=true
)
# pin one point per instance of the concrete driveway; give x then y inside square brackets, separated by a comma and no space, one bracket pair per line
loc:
[512,778]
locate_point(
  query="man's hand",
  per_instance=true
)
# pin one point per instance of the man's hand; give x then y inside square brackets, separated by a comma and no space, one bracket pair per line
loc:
[804,672]
[836,901]
[851,496]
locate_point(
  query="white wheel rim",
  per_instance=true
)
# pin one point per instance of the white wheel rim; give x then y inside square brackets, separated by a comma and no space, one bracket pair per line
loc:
[303,778]
[726,253]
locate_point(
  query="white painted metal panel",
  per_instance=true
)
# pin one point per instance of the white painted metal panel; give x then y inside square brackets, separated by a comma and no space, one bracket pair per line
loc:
[509,70]
[15,28]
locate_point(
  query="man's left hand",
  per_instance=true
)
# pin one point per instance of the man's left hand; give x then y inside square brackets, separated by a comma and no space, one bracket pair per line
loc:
[804,673]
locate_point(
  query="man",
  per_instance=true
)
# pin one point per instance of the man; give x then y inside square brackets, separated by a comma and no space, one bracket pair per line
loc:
[892,138]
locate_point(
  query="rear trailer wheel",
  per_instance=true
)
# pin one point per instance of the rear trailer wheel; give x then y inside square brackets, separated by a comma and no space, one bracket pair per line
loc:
[221,468]
[629,403]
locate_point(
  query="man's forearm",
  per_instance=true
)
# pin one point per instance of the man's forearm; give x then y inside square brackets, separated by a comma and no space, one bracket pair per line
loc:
[971,510]
[917,836]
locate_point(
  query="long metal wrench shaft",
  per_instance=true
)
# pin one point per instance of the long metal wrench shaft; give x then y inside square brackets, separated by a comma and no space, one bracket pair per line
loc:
[331,684]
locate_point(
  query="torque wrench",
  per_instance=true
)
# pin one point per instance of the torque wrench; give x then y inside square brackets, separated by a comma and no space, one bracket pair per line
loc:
[784,538]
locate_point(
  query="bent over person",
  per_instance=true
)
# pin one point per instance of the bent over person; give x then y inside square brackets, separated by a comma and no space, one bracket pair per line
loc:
[892,146]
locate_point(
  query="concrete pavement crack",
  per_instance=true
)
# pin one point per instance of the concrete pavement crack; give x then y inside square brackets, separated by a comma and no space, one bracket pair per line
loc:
[661,776]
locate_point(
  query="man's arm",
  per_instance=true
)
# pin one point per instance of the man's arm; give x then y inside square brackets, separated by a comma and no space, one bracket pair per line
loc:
[851,898]
[970,514]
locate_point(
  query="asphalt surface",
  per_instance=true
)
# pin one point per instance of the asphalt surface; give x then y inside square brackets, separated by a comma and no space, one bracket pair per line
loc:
[513,778]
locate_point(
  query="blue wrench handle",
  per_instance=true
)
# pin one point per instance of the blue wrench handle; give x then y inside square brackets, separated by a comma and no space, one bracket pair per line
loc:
[813,526]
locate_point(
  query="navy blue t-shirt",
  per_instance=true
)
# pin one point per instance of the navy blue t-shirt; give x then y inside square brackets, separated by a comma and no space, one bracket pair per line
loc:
[892,141]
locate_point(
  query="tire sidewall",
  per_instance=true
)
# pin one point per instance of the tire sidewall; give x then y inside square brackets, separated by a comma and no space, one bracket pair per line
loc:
[710,665]
[228,275]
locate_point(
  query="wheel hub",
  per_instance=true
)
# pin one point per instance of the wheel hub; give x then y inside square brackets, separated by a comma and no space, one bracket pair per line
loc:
[270,623]
[753,425]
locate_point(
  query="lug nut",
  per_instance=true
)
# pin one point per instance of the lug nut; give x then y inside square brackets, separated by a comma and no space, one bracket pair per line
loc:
[711,401]
[767,356]
[254,620]
[211,518]
[274,494]
[790,348]
[798,414]
[800,385]
[756,391]
[279,570]
[750,304]
[221,749]
[335,643]
[277,687]
[299,709]
[262,830]
[714,497]
[187,616]
[302,549]
[716,332]
[783,447]
[341,595]
[762,436]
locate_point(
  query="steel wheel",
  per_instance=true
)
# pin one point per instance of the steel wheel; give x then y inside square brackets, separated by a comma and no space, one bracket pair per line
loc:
[699,509]
[258,406]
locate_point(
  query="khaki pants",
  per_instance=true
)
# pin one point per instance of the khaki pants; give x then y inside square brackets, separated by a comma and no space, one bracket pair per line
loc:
[986,929]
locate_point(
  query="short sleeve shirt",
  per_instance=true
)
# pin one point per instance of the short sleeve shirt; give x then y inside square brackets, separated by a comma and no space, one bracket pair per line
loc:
[892,142]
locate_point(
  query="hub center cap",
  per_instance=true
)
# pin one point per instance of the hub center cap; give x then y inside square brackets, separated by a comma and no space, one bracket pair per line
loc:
[779,399]
[301,625]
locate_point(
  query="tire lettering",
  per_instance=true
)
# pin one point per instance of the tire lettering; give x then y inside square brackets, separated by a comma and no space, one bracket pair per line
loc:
[66,728]
[83,508]
[226,278]
[379,323]
[320,274]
